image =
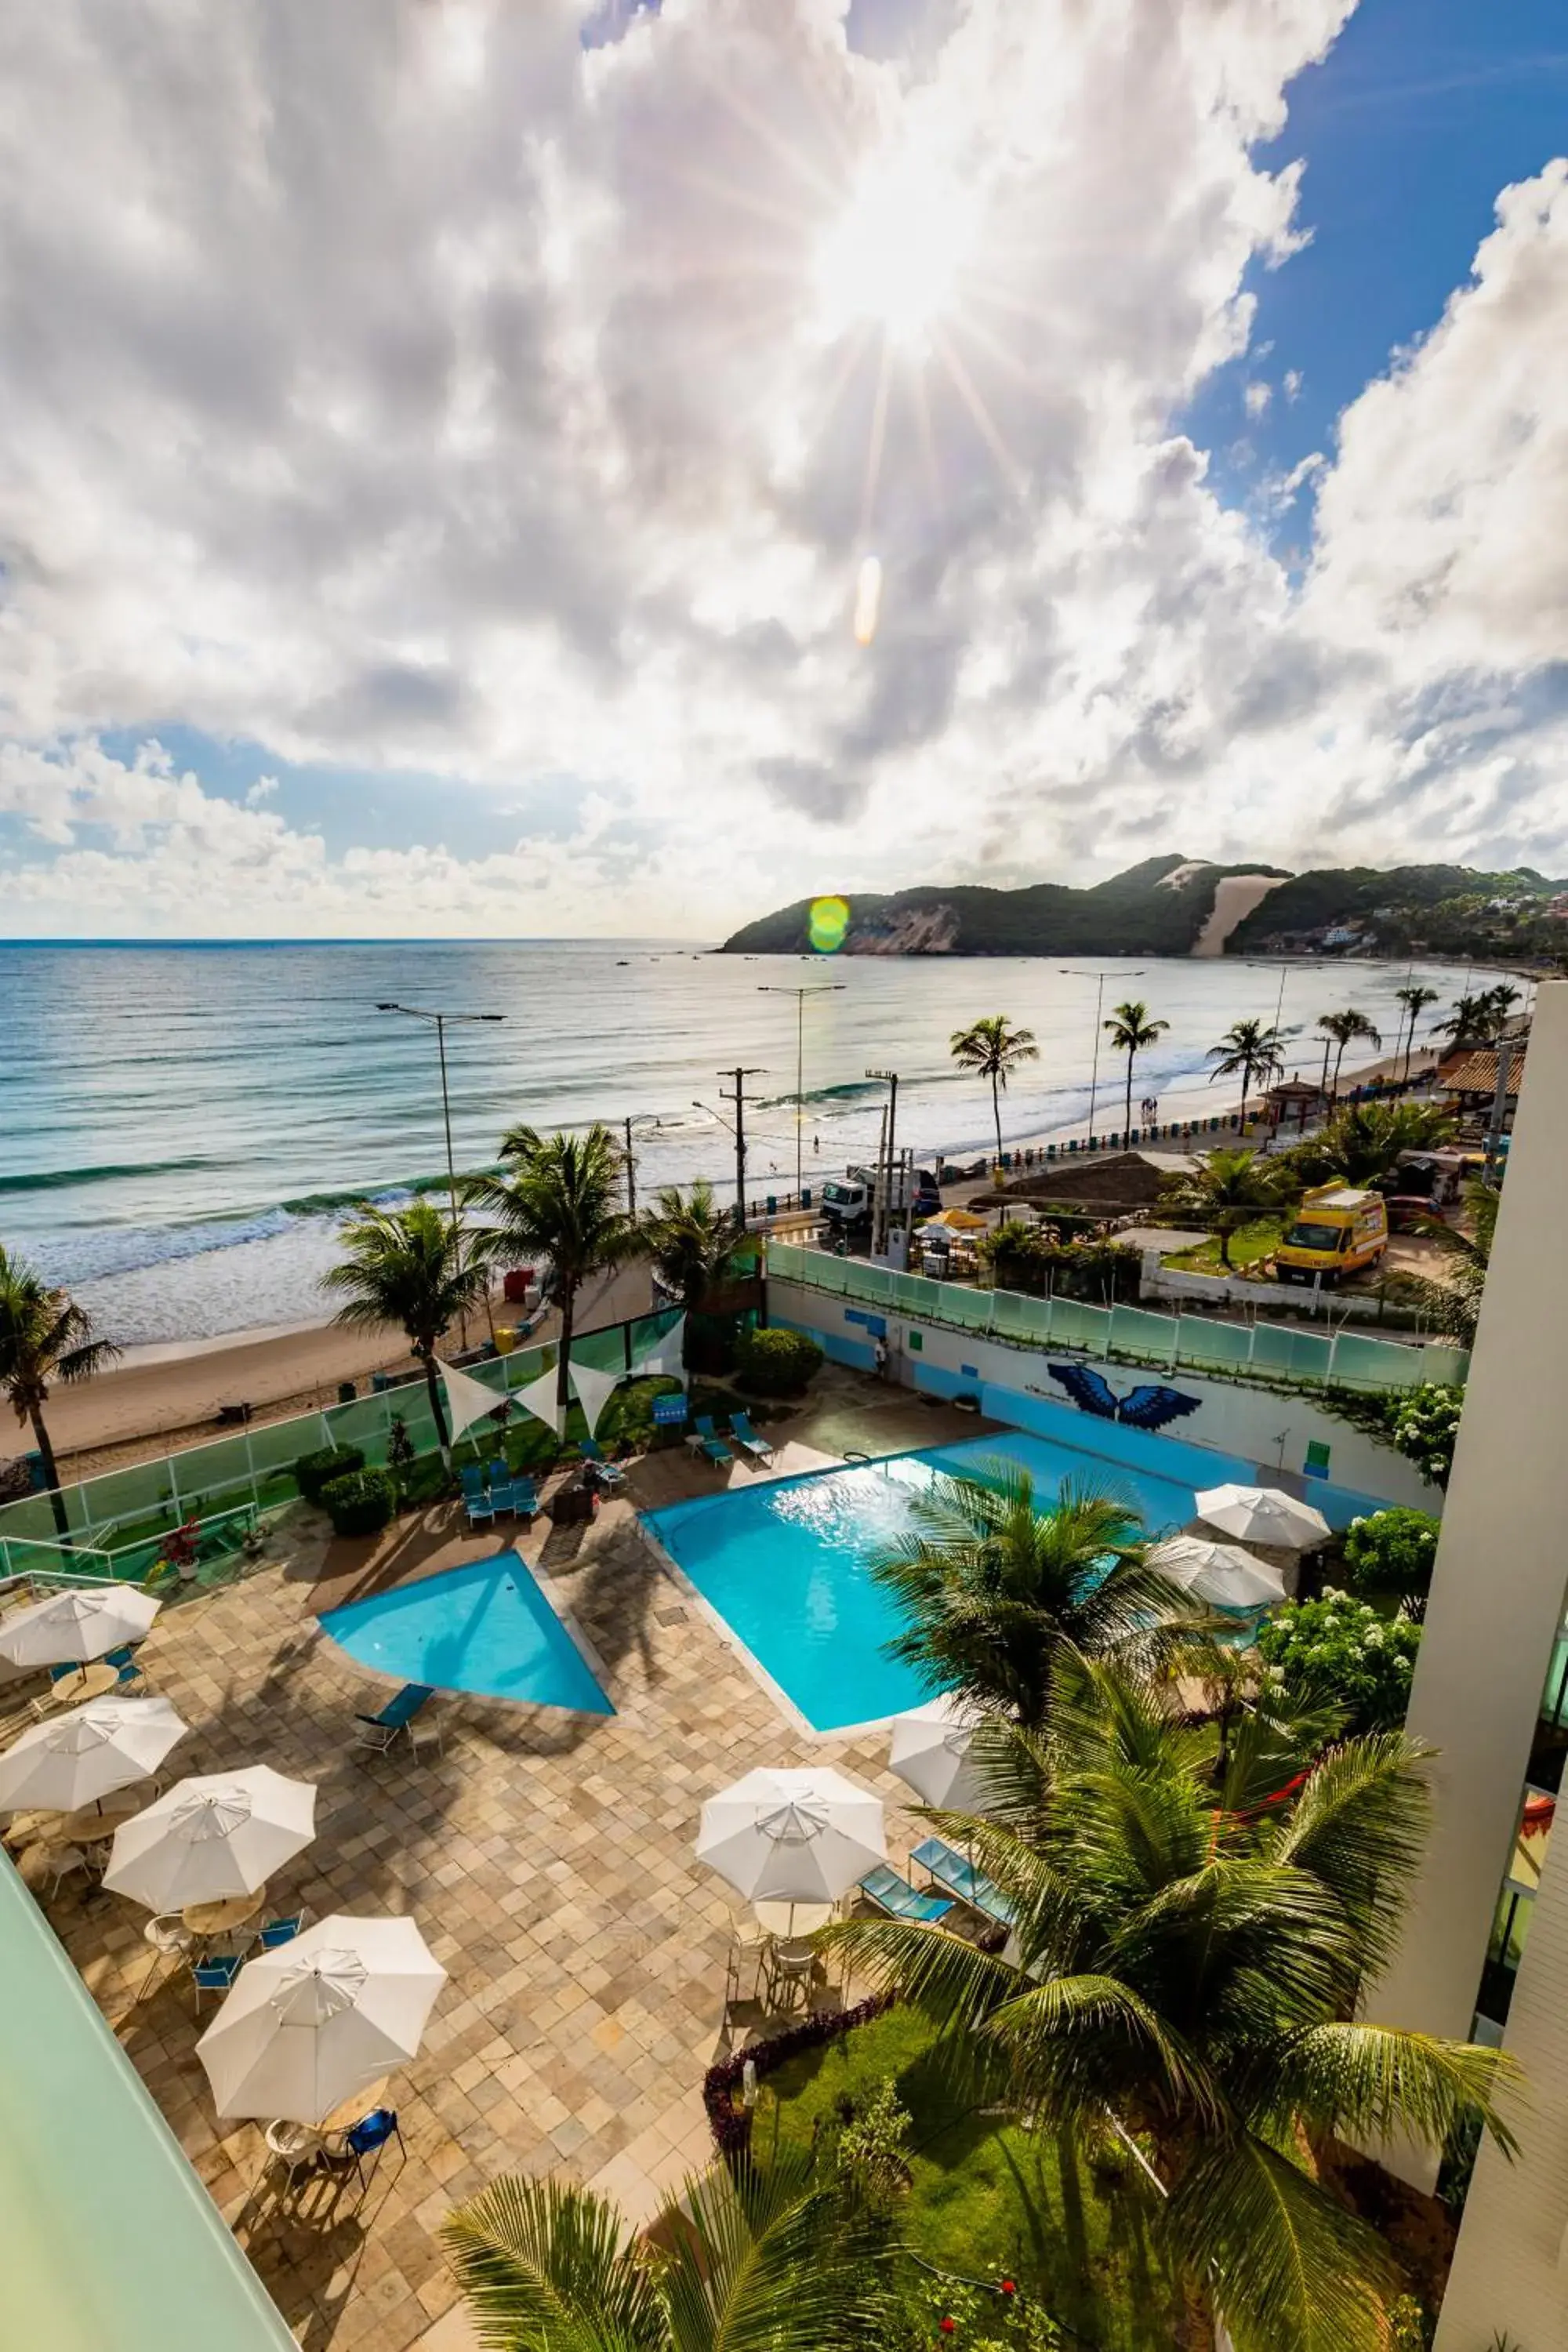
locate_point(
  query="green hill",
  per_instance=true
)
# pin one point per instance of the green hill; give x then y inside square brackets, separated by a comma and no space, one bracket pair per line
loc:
[1139,912]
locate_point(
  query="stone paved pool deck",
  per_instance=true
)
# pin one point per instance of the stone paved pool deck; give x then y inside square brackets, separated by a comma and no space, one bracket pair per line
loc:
[546,1857]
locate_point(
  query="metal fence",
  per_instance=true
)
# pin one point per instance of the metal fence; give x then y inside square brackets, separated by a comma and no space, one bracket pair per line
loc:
[1263,1351]
[122,1513]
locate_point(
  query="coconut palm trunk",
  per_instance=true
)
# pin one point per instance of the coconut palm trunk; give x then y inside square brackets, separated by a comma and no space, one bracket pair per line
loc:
[433,1387]
[52,1475]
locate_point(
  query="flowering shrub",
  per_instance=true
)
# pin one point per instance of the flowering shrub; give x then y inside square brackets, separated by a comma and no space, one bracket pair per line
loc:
[1426,1424]
[1393,1552]
[732,2125]
[1338,1652]
[972,2319]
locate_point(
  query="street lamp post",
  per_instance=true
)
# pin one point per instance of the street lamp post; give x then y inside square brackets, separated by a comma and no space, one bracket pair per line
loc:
[881,1208]
[1100,979]
[813,988]
[438,1021]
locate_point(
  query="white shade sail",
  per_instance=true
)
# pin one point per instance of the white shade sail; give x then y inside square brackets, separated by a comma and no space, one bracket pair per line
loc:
[73,1760]
[801,1836]
[467,1399]
[321,2019]
[538,1398]
[79,1625]
[595,1390]
[211,1838]
[665,1357]
[1263,1515]
[1221,1574]
[930,1750]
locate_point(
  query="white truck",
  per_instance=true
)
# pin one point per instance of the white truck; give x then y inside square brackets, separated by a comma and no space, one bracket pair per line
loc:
[848,1202]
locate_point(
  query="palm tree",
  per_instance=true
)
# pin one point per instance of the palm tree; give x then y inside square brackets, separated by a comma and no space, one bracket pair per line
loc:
[1194,1930]
[691,1243]
[1415,999]
[1226,1190]
[559,1199]
[1365,1142]
[44,1337]
[1249,1050]
[991,1585]
[407,1268]
[1344,1028]
[1130,1030]
[1480,1018]
[1453,1305]
[992,1049]
[756,2261]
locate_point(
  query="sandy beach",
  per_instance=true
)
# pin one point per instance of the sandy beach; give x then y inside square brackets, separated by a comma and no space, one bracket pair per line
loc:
[166,1397]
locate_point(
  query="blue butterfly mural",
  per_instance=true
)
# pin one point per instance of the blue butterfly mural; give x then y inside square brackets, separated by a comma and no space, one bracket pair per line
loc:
[1149,1407]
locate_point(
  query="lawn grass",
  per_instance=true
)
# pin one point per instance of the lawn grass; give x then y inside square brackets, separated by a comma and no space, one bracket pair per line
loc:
[1247,1244]
[987,2198]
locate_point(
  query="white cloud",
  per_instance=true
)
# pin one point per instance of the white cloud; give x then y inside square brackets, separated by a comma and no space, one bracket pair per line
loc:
[432,391]
[1256,398]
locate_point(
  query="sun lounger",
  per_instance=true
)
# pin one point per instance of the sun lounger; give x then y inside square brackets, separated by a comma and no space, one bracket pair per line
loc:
[610,1473]
[379,1731]
[894,1895]
[960,1879]
[754,1446]
[705,1440]
[476,1502]
[525,1498]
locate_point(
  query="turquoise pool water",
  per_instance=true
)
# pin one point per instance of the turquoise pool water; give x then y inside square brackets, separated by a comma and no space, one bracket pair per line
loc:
[485,1628]
[787,1563]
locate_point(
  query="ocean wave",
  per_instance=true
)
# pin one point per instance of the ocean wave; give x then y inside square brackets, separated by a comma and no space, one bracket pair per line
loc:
[53,1179]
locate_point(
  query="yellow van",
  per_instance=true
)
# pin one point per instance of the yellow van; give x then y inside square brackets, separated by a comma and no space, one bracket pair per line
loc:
[1338,1230]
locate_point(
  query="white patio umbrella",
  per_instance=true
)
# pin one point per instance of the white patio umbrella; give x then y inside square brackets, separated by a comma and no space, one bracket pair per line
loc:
[77,1757]
[212,1838]
[321,2019]
[78,1623]
[1221,1574]
[930,1750]
[799,1836]
[1263,1515]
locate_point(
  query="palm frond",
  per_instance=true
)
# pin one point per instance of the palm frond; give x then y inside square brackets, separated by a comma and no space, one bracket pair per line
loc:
[1239,1949]
[764,2264]
[547,2267]
[1359,1824]
[1073,2038]
[935,1969]
[1289,2269]
[1368,2083]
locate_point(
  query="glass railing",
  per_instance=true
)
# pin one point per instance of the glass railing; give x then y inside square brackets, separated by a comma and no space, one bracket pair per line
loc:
[1267,1352]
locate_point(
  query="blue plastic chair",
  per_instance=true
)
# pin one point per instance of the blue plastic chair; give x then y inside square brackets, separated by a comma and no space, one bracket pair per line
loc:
[709,1442]
[215,1974]
[752,1443]
[128,1673]
[280,1931]
[525,1497]
[370,2135]
[499,1489]
[884,1888]
[380,1730]
[610,1472]
[476,1500]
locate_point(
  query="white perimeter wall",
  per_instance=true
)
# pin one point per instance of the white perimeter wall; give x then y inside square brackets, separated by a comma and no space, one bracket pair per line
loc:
[1270,1430]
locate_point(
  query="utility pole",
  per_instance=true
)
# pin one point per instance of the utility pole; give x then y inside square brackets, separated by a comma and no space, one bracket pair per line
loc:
[1100,979]
[741,1073]
[1499,1108]
[437,1021]
[881,1222]
[813,988]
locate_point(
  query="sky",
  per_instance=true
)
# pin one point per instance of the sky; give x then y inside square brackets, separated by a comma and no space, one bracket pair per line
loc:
[602,468]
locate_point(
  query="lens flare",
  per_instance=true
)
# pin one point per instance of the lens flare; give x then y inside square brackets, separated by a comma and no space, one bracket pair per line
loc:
[828,925]
[868,600]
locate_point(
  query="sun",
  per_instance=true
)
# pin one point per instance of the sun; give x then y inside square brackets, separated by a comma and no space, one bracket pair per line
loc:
[896,254]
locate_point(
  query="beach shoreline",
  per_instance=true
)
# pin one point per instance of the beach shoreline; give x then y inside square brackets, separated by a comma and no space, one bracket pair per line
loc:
[167,1394]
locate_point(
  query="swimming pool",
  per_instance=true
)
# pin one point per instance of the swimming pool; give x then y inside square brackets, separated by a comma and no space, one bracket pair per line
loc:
[786,1563]
[485,1628]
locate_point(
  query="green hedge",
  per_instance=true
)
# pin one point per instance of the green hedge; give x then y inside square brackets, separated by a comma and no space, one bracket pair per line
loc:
[314,1472]
[776,1363]
[360,1504]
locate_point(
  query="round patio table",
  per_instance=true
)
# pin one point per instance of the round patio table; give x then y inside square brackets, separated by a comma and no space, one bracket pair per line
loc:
[350,2111]
[218,1919]
[90,1822]
[792,1918]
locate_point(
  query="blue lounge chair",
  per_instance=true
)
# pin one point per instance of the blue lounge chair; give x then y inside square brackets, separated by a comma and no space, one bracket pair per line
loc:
[476,1502]
[215,1974]
[129,1676]
[707,1441]
[894,1895]
[752,1445]
[524,1497]
[611,1473]
[379,1731]
[960,1879]
[500,1485]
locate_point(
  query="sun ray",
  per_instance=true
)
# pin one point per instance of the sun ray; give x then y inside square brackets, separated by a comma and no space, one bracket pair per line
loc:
[874,446]
[1012,472]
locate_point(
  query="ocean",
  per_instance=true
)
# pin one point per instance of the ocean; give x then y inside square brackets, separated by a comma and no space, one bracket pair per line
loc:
[182,1127]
